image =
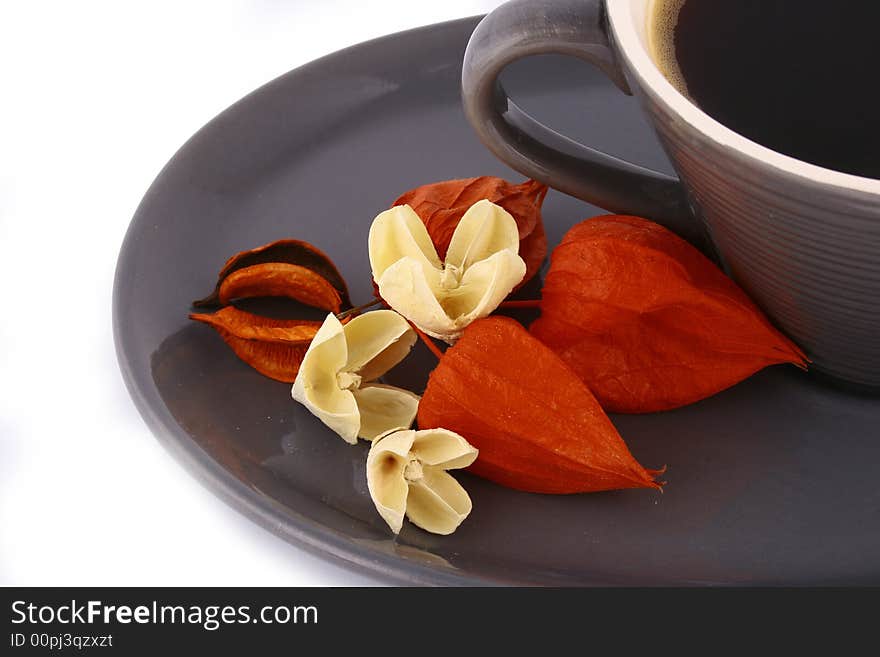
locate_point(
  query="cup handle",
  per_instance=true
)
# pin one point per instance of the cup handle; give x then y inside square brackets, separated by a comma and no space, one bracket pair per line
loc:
[570,27]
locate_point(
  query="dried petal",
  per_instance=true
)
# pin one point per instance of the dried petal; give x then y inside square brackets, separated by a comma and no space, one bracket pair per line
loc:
[341,361]
[441,206]
[405,475]
[437,503]
[284,282]
[384,408]
[317,386]
[647,321]
[397,233]
[278,279]
[389,489]
[377,341]
[537,426]
[481,269]
[443,448]
[273,347]
[482,232]
[405,287]
[483,287]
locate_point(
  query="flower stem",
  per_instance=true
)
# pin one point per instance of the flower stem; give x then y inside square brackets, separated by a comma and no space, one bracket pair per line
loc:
[527,303]
[357,310]
[429,343]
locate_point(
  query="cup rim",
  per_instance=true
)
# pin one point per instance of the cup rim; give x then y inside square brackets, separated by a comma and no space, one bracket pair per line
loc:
[633,49]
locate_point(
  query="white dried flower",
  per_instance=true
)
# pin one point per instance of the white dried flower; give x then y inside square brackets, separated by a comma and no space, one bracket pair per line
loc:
[406,475]
[335,378]
[482,267]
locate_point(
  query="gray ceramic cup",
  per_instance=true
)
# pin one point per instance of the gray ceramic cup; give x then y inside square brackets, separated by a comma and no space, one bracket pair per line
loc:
[804,241]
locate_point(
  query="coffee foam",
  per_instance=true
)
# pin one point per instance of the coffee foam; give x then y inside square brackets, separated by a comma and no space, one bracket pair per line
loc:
[662,19]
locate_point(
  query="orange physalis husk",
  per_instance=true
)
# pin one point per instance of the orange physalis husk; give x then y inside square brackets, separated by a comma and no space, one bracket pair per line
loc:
[286,268]
[441,206]
[647,321]
[273,347]
[536,425]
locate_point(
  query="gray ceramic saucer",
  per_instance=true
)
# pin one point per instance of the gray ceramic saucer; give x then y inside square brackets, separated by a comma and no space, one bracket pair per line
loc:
[774,481]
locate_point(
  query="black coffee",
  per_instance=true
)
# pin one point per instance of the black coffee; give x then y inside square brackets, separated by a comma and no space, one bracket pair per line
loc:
[799,76]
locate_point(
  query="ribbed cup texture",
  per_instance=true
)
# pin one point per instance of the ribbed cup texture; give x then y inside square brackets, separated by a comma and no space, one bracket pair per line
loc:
[806,252]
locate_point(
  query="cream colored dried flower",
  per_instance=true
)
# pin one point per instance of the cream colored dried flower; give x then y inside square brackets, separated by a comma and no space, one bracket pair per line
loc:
[406,474]
[335,378]
[482,267]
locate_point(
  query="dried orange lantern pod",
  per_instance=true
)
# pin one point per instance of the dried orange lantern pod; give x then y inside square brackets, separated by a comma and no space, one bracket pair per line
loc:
[647,321]
[536,425]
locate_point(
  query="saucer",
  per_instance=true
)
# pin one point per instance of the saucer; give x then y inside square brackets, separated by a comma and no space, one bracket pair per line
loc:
[773,481]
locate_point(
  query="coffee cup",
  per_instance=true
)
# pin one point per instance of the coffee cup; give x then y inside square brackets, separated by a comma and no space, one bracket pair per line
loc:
[802,240]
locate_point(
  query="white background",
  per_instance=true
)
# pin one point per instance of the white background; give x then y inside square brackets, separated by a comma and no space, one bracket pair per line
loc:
[94,98]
